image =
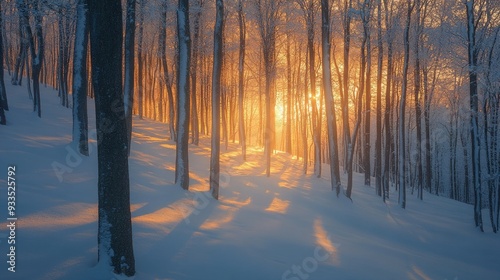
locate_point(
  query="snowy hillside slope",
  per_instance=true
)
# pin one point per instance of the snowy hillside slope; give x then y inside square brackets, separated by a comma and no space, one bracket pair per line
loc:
[288,226]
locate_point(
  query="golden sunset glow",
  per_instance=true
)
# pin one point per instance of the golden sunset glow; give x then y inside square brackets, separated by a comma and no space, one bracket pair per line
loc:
[250,139]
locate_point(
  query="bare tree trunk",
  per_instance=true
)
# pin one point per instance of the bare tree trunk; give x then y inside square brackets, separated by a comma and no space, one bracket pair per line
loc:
[20,60]
[491,135]
[351,148]
[140,63]
[63,15]
[428,162]
[378,141]
[241,75]
[475,141]
[36,50]
[331,115]
[216,89]
[162,39]
[3,94]
[418,110]
[345,92]
[464,140]
[5,45]
[203,130]
[129,68]
[387,114]
[309,8]
[195,133]
[267,18]
[367,9]
[305,119]
[182,158]
[402,109]
[80,74]
[115,245]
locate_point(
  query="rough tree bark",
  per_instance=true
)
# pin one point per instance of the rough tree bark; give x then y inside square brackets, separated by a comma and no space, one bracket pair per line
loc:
[183,96]
[115,226]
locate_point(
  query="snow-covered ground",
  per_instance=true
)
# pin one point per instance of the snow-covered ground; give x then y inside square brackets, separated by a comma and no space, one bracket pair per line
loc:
[289,226]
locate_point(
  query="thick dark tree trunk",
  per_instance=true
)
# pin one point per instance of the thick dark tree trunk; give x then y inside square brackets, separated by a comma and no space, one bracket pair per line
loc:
[115,226]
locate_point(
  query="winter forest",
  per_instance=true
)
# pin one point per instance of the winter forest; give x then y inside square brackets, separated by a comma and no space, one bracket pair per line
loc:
[250,139]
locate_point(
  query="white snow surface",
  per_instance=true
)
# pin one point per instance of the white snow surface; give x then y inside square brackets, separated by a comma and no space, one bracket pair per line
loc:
[288,226]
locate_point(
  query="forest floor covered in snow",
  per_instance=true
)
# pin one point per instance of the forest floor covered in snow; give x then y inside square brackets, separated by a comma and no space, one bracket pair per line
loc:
[289,226]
